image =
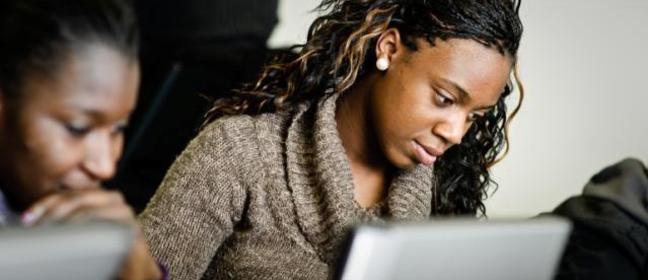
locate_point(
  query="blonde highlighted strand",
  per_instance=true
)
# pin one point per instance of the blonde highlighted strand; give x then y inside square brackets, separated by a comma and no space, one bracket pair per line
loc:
[507,125]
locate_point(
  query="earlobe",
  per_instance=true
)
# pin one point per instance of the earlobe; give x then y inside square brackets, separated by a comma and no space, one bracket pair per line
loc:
[382,63]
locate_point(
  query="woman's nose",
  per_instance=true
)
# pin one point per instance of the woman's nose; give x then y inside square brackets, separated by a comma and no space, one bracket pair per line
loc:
[452,128]
[100,161]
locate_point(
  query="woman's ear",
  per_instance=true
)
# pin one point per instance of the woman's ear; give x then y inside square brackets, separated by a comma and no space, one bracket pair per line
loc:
[389,44]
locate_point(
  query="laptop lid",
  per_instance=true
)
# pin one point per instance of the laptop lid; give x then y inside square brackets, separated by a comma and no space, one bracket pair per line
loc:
[457,249]
[81,251]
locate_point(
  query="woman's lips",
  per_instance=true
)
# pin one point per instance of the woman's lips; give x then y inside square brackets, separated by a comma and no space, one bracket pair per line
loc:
[423,155]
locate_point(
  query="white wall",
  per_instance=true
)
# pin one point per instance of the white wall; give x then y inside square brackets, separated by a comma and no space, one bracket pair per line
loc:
[584,64]
[295,17]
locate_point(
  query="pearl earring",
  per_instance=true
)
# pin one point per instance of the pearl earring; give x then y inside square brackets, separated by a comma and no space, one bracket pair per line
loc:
[382,64]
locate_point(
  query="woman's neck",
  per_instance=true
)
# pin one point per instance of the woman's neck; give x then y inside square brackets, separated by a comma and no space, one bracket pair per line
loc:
[356,129]
[370,170]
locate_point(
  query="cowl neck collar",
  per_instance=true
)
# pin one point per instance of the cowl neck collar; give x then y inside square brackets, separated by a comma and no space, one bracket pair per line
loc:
[321,183]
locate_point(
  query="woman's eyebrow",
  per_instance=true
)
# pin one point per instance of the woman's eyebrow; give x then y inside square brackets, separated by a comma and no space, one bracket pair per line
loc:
[464,95]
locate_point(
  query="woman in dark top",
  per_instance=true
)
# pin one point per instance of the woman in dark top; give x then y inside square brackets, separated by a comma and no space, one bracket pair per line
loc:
[68,81]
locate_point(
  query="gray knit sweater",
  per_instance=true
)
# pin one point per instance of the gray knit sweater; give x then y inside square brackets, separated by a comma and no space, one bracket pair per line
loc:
[268,197]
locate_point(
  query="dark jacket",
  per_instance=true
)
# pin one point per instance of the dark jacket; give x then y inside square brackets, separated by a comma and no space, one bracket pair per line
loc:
[610,236]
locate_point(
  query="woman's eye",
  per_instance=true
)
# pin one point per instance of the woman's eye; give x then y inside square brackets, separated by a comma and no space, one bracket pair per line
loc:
[119,129]
[443,99]
[77,130]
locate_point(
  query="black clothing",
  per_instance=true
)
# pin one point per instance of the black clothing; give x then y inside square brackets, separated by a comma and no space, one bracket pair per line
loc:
[610,218]
[193,52]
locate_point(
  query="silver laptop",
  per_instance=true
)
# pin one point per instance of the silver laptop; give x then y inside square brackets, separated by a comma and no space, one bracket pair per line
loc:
[70,252]
[457,250]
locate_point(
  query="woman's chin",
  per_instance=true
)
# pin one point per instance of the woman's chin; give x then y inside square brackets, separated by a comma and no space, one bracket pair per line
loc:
[403,162]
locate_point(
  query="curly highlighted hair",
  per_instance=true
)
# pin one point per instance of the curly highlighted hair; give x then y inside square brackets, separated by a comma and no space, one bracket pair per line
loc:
[339,52]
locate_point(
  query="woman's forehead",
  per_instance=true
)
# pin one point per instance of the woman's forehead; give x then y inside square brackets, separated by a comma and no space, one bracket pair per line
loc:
[463,62]
[98,80]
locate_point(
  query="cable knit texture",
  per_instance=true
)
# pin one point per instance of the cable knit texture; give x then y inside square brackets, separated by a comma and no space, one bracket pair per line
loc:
[268,197]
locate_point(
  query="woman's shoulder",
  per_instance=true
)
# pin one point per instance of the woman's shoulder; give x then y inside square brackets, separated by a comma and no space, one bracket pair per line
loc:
[238,144]
[228,128]
[242,133]
[244,127]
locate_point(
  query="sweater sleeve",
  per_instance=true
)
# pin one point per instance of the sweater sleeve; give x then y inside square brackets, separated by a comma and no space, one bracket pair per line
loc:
[199,201]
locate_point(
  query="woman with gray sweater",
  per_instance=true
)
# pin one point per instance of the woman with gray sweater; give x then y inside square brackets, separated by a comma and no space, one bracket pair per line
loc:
[392,110]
